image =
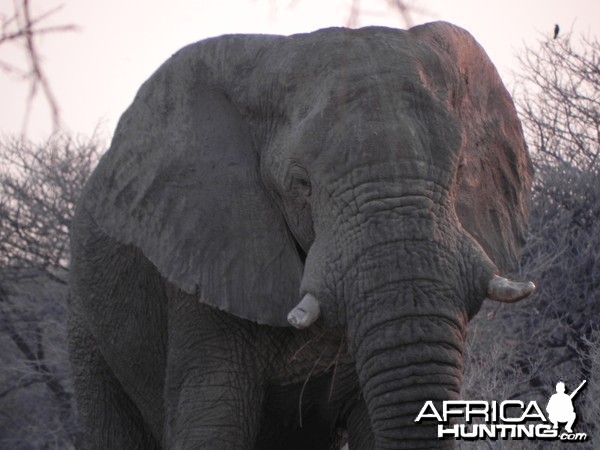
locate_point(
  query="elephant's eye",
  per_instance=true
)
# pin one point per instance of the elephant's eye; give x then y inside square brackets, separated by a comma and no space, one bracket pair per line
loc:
[299,183]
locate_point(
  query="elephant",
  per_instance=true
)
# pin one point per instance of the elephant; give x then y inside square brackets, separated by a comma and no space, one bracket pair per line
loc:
[286,239]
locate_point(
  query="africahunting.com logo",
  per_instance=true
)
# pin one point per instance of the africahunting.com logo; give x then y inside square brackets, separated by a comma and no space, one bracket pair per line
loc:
[509,419]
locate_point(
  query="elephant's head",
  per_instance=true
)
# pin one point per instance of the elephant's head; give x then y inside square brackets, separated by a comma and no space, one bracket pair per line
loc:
[379,175]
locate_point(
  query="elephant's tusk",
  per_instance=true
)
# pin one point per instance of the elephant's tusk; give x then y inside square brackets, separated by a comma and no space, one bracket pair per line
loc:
[504,290]
[305,313]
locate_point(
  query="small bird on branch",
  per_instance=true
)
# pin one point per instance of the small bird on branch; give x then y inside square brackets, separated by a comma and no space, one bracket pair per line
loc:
[556,30]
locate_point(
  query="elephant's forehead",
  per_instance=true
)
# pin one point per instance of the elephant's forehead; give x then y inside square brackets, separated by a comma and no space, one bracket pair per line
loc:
[366,92]
[353,58]
[372,76]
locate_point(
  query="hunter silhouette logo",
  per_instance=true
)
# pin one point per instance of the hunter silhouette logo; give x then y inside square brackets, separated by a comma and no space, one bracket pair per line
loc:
[560,407]
[508,419]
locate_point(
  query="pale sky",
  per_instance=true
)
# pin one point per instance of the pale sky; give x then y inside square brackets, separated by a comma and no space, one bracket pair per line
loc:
[96,71]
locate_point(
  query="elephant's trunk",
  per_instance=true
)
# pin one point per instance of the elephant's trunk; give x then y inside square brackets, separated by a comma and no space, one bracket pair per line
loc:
[408,347]
[399,375]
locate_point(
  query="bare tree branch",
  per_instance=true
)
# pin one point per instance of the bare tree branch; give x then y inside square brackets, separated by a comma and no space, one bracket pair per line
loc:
[22,384]
[405,11]
[39,187]
[559,101]
[23,28]
[23,326]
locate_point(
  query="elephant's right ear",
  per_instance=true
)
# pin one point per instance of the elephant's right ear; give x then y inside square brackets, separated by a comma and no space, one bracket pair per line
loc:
[181,182]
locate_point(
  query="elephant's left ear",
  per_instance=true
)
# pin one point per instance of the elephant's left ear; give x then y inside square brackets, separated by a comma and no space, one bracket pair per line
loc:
[181,182]
[495,173]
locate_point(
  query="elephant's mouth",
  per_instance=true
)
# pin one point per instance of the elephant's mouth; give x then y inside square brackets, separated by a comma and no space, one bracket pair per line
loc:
[498,288]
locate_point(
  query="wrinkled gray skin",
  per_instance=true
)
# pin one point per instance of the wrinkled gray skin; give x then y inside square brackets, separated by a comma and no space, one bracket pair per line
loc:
[382,171]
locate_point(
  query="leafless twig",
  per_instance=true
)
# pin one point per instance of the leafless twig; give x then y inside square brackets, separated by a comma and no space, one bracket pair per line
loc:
[39,187]
[23,28]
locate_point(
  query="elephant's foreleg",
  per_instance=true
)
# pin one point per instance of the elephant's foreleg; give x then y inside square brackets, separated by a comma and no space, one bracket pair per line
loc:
[360,433]
[108,416]
[214,391]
